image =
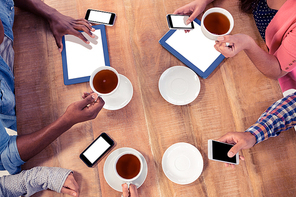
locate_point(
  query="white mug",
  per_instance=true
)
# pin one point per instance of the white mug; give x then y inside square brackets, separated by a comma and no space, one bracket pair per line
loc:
[94,74]
[125,180]
[216,10]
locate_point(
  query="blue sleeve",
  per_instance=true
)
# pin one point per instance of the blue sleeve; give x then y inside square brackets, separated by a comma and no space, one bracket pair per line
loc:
[10,159]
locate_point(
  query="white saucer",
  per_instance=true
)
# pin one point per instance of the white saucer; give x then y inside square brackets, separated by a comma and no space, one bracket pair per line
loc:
[182,163]
[179,85]
[109,171]
[121,97]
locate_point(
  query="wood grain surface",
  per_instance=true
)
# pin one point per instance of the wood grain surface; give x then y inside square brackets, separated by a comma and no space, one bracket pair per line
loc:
[231,99]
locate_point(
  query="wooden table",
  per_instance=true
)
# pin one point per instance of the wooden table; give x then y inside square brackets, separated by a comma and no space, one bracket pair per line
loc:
[231,99]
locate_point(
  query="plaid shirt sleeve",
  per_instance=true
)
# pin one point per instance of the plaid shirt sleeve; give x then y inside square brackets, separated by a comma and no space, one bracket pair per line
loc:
[279,117]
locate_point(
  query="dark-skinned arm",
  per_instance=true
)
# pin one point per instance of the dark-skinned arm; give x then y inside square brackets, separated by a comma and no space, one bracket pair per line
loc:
[31,144]
[60,24]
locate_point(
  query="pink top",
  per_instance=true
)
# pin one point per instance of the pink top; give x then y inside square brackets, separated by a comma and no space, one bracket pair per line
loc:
[281,41]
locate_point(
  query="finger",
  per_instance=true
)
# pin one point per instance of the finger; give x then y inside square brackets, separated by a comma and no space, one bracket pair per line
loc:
[68,191]
[85,94]
[59,43]
[133,191]
[191,18]
[83,27]
[125,190]
[241,157]
[85,22]
[88,100]
[235,149]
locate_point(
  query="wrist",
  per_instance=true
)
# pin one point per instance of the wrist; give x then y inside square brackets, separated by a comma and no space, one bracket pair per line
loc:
[249,43]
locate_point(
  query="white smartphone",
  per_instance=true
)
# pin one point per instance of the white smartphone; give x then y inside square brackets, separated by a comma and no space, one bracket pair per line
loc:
[100,17]
[179,22]
[218,151]
[97,149]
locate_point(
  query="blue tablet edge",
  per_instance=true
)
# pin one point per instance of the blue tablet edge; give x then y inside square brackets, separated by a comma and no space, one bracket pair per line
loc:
[68,81]
[202,74]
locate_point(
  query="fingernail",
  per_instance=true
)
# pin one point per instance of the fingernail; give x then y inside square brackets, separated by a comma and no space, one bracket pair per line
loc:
[92,29]
[220,38]
[93,96]
[230,154]
[187,22]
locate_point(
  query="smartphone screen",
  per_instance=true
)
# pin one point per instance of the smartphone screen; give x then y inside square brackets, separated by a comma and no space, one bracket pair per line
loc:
[178,22]
[218,151]
[97,16]
[97,149]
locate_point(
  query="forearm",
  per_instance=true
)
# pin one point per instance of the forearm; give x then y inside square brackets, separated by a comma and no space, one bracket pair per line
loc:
[30,145]
[31,181]
[37,7]
[281,116]
[266,63]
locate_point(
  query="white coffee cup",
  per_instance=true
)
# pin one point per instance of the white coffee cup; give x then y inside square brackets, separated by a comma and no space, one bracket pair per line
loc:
[207,33]
[128,167]
[94,73]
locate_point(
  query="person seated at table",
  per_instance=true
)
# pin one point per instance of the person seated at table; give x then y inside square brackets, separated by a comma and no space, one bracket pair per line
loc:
[280,116]
[15,150]
[29,182]
[276,23]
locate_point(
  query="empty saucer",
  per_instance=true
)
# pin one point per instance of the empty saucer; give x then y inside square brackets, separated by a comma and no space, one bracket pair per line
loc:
[179,85]
[182,163]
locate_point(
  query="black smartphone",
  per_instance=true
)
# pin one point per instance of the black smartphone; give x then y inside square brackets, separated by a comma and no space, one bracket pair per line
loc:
[97,149]
[100,17]
[218,151]
[179,22]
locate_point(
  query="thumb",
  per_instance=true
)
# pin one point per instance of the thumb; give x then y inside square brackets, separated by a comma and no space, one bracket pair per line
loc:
[59,43]
[88,100]
[193,16]
[234,150]
[68,191]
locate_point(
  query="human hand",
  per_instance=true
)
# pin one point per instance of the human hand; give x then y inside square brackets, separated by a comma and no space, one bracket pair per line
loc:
[61,25]
[231,45]
[84,110]
[241,140]
[193,9]
[70,186]
[129,192]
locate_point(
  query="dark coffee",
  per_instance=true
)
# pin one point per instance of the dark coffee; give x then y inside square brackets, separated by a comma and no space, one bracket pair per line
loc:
[128,166]
[105,81]
[217,23]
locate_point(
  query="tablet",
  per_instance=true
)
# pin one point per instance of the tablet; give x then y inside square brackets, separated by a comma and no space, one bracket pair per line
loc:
[81,59]
[193,49]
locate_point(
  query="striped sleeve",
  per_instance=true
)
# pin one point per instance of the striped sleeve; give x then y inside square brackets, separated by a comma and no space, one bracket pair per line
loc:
[279,117]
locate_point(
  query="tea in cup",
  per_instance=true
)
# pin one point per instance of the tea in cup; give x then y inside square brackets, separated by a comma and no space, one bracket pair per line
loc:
[216,22]
[128,167]
[104,80]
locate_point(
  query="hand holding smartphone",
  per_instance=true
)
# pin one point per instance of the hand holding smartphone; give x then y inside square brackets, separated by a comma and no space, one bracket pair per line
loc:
[179,22]
[100,17]
[97,149]
[217,151]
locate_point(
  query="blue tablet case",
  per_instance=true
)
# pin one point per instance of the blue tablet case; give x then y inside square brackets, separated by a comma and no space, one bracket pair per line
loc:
[176,53]
[69,81]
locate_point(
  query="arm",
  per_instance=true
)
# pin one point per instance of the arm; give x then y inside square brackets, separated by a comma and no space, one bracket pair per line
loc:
[59,24]
[266,63]
[31,144]
[279,117]
[37,179]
